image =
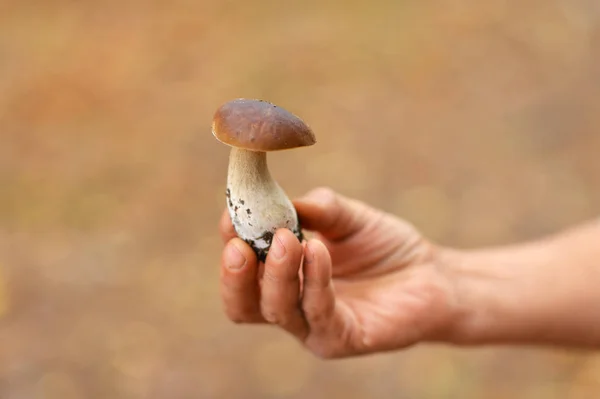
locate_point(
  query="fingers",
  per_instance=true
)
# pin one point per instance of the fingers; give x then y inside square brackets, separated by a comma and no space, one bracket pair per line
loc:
[315,318]
[274,298]
[226,227]
[239,283]
[318,301]
[280,289]
[332,215]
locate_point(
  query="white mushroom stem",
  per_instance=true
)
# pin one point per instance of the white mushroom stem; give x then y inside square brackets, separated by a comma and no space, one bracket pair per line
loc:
[258,206]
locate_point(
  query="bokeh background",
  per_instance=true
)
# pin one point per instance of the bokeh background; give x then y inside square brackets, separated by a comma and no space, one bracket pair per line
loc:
[476,120]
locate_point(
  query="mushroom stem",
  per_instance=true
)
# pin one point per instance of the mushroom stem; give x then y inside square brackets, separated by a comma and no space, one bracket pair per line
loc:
[248,171]
[258,206]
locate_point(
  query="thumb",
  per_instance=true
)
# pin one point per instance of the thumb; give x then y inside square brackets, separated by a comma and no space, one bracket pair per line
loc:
[333,215]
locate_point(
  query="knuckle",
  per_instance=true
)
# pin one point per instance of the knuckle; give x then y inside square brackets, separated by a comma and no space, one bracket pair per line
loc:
[314,315]
[270,277]
[325,352]
[237,319]
[316,284]
[270,316]
[275,317]
[327,196]
[232,284]
[324,191]
[239,316]
[282,276]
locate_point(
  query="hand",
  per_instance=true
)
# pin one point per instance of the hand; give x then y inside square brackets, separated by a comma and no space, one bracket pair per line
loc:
[367,282]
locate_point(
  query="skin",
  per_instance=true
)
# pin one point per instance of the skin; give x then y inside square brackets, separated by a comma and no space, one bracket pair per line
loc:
[368,282]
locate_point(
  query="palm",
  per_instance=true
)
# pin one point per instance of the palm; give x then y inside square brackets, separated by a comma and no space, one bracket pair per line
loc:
[379,246]
[387,288]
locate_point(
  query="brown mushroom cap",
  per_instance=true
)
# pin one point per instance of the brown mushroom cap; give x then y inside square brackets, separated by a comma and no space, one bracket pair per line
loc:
[258,125]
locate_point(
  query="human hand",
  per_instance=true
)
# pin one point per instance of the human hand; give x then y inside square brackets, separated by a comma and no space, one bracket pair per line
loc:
[366,282]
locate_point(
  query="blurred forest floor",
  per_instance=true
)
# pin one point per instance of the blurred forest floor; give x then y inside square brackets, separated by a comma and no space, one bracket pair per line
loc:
[477,121]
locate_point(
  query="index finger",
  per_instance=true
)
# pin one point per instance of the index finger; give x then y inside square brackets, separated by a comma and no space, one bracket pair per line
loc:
[334,216]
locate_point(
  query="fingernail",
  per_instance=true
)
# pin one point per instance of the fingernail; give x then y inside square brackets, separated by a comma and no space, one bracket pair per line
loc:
[235,257]
[277,249]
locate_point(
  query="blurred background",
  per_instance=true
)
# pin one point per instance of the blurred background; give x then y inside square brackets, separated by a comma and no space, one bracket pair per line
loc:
[477,121]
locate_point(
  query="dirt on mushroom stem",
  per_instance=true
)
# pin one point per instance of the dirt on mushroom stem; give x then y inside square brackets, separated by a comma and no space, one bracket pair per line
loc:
[257,205]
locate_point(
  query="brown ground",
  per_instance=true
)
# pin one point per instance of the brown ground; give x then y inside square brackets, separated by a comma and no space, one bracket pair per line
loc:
[476,120]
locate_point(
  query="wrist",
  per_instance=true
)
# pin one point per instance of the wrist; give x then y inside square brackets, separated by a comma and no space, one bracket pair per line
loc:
[526,294]
[481,301]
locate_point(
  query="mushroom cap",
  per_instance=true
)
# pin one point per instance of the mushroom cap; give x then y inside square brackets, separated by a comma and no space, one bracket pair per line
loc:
[258,125]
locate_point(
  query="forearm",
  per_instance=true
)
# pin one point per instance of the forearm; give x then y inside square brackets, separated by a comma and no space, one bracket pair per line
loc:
[544,292]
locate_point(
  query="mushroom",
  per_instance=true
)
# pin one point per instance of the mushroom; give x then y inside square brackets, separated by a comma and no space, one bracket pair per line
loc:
[258,206]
